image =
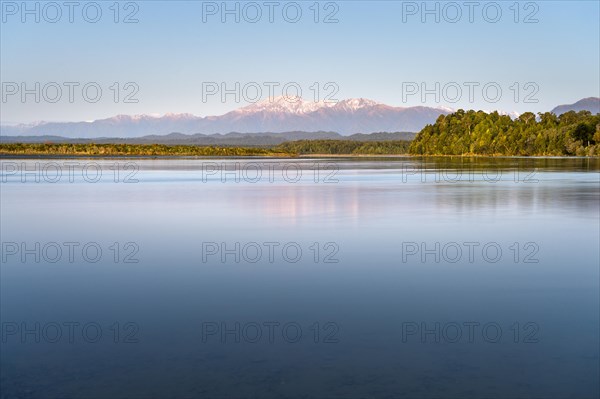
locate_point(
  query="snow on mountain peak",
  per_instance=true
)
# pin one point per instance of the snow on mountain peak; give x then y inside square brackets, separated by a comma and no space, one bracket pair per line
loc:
[297,105]
[147,117]
[353,104]
[446,109]
[131,118]
[284,104]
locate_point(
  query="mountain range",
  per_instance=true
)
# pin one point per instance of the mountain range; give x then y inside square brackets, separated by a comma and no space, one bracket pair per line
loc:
[277,115]
[286,118]
[229,139]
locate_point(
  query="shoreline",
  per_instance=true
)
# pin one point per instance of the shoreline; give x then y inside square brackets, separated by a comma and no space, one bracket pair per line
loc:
[302,156]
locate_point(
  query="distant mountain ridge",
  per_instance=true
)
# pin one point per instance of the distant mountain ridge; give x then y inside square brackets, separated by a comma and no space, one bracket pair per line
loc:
[230,139]
[591,104]
[278,115]
[286,118]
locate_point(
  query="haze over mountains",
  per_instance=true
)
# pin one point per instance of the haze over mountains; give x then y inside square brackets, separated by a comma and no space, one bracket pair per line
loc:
[276,115]
[229,139]
[283,118]
[591,104]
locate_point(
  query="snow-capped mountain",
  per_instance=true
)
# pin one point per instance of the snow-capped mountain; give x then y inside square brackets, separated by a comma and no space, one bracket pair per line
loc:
[280,114]
[285,105]
[299,106]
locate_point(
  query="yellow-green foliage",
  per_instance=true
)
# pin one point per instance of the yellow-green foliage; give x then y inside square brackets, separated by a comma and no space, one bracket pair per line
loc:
[480,133]
[345,147]
[132,150]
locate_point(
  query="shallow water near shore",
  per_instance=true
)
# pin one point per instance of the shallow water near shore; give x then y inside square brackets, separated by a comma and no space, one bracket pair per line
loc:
[357,277]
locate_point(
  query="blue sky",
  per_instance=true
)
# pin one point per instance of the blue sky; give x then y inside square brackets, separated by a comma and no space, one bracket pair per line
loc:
[379,50]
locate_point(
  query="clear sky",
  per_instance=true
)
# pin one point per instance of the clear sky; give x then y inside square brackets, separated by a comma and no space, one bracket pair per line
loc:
[544,51]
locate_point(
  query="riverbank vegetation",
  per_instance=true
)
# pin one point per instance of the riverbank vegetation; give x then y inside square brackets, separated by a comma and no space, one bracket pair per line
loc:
[292,148]
[480,133]
[460,133]
[345,147]
[109,150]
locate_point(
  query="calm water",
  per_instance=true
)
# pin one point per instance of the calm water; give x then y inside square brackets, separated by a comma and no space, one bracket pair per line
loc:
[300,278]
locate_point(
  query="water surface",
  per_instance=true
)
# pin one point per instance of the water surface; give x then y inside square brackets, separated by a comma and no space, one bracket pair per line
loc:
[386,277]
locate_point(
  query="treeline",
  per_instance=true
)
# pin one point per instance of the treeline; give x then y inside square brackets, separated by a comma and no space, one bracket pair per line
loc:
[291,148]
[345,147]
[480,133]
[460,133]
[133,150]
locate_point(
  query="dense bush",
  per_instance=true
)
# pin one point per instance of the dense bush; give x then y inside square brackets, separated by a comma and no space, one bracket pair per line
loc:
[131,150]
[345,147]
[480,133]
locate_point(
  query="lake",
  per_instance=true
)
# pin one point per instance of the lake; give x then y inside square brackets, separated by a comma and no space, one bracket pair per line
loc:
[312,277]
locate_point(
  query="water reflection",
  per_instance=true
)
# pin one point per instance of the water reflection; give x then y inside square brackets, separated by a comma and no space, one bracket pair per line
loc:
[371,212]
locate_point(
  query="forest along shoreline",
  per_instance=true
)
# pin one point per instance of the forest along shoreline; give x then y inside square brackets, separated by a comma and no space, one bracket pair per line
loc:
[463,133]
